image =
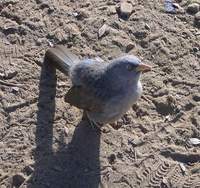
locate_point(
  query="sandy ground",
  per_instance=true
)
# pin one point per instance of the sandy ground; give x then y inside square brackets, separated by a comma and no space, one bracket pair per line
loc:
[43,141]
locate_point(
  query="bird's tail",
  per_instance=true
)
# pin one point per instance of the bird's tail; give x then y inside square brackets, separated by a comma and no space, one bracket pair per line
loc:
[62,58]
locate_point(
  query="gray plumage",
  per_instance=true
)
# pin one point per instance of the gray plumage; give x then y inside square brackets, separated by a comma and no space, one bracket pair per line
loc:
[104,90]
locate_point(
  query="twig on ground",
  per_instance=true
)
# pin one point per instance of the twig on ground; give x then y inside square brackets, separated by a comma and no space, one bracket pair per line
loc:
[177,82]
[20,105]
[181,156]
[10,84]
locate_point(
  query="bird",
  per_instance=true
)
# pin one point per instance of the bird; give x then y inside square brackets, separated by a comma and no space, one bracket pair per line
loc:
[105,91]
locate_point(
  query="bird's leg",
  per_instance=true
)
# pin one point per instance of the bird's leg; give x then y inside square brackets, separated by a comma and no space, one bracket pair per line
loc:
[137,110]
[93,123]
[116,125]
[85,116]
[135,106]
[145,98]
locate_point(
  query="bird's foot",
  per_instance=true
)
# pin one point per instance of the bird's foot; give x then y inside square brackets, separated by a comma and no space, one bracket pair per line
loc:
[135,107]
[95,125]
[116,125]
[139,111]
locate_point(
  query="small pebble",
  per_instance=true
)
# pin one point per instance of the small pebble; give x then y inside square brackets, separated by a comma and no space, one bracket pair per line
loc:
[100,60]
[51,9]
[196,97]
[165,182]
[10,74]
[12,1]
[194,1]
[39,42]
[75,14]
[189,106]
[140,34]
[193,8]
[50,43]
[197,16]
[119,155]
[28,170]
[66,131]
[129,47]
[73,29]
[105,130]
[176,5]
[15,89]
[194,141]
[112,158]
[18,179]
[195,49]
[86,3]
[125,10]
[147,27]
[161,92]
[112,10]
[163,106]
[82,14]
[183,168]
[197,19]
[103,30]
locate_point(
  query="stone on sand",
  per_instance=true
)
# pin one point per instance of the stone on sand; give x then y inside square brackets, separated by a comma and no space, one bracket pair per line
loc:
[193,8]
[125,9]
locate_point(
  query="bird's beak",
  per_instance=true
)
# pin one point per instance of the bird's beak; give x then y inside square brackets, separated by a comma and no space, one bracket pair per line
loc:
[143,67]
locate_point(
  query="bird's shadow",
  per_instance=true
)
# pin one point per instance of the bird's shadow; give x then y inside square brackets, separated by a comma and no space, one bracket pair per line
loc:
[75,165]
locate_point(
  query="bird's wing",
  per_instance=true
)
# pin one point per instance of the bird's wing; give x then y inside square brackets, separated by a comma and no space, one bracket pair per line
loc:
[82,98]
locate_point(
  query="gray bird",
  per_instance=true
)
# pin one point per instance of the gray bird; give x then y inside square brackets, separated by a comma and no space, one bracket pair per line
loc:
[105,91]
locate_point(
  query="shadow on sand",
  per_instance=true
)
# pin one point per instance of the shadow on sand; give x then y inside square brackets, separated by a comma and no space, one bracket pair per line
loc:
[75,165]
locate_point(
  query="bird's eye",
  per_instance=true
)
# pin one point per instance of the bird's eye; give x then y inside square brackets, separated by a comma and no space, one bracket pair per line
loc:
[130,67]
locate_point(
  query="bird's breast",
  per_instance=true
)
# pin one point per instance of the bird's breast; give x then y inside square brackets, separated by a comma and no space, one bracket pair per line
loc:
[132,94]
[120,104]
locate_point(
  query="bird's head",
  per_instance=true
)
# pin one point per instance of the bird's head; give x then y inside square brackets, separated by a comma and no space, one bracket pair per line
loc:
[127,68]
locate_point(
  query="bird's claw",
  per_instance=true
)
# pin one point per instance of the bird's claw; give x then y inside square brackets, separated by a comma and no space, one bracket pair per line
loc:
[95,125]
[115,125]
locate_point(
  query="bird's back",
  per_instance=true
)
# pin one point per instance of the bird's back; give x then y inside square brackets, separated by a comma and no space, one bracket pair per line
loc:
[93,76]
